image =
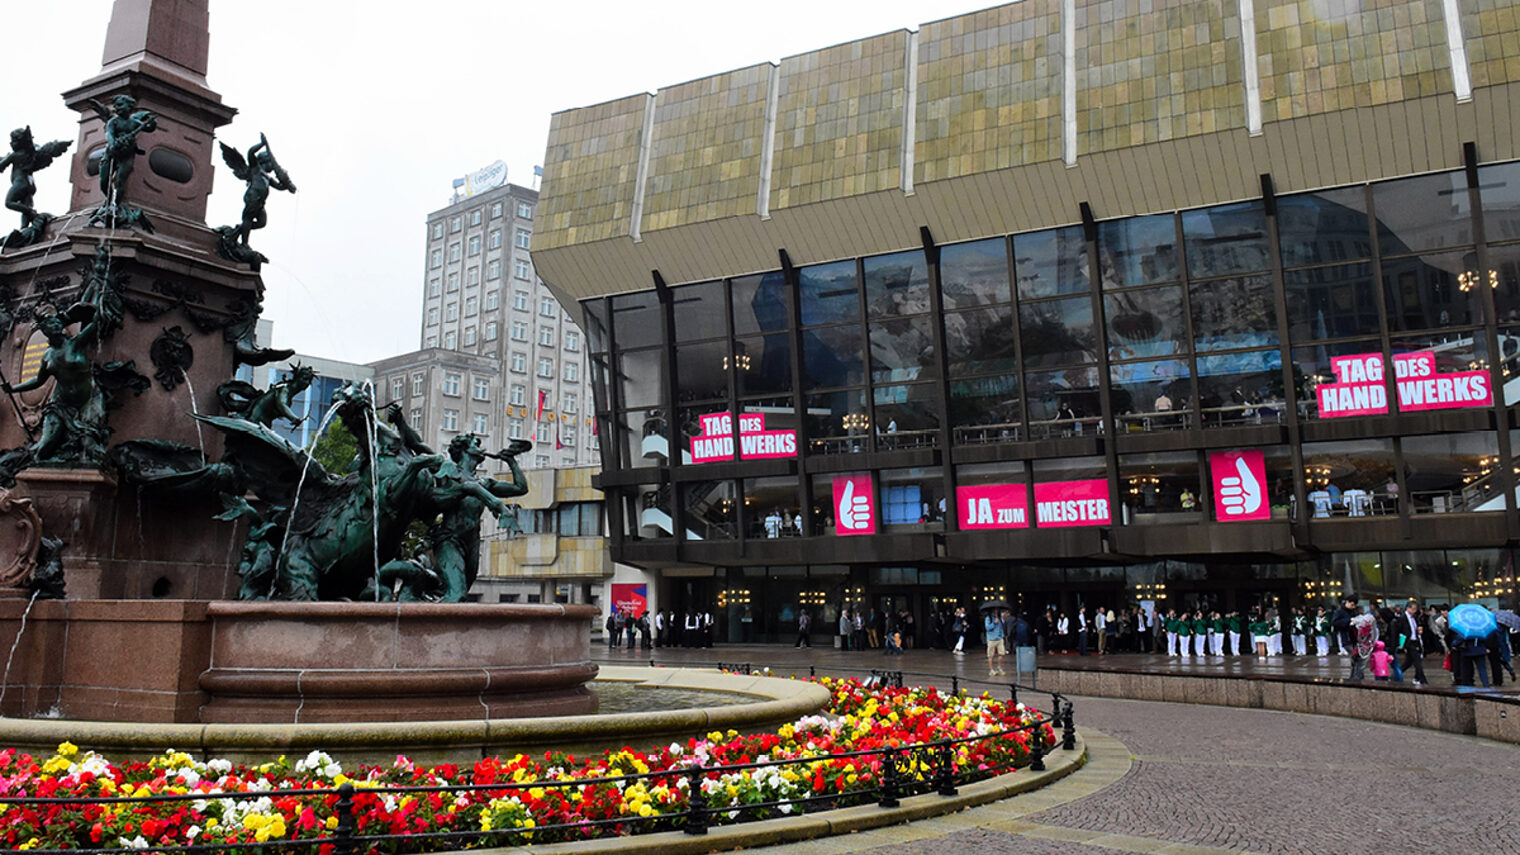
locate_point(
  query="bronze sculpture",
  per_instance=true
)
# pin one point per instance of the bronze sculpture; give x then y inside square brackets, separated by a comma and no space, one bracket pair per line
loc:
[243,399]
[262,173]
[123,124]
[26,159]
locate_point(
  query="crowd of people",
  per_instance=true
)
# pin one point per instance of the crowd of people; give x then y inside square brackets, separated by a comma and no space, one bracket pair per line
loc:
[661,629]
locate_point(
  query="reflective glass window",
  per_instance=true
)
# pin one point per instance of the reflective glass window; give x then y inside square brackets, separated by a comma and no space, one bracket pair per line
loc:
[838,421]
[759,303]
[1062,403]
[1422,212]
[699,311]
[1231,313]
[1226,239]
[829,293]
[712,509]
[974,274]
[907,416]
[1331,302]
[1160,487]
[641,435]
[640,376]
[1430,291]
[1349,479]
[1057,332]
[903,349]
[1504,279]
[1151,395]
[986,409]
[980,341]
[594,313]
[896,284]
[1051,263]
[701,371]
[912,497]
[636,320]
[831,356]
[763,364]
[1499,187]
[1453,472]
[1146,323]
[1323,227]
[772,508]
[1138,251]
[707,433]
[1241,388]
[646,511]
[1069,469]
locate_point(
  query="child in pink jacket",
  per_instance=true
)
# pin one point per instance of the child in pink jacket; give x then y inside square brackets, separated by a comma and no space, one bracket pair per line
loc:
[1381,661]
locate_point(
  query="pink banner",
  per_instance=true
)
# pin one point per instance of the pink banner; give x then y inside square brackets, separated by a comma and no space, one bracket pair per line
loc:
[993,506]
[630,598]
[1240,485]
[854,505]
[1359,389]
[755,442]
[1059,504]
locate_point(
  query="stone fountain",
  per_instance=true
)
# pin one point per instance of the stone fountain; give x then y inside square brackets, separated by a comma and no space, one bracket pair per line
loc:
[212,572]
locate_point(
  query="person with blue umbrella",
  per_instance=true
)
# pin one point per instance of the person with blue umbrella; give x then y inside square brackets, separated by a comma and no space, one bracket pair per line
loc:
[1472,624]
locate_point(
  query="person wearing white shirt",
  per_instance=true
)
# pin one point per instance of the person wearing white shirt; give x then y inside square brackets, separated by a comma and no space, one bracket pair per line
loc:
[1322,502]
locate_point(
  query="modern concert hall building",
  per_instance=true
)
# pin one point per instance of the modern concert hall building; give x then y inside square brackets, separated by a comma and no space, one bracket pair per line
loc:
[1063,301]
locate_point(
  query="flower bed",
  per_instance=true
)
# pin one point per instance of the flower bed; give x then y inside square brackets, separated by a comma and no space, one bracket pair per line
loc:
[516,798]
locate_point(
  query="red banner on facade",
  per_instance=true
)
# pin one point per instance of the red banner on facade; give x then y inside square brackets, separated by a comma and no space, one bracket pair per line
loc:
[854,504]
[993,506]
[1059,504]
[1240,485]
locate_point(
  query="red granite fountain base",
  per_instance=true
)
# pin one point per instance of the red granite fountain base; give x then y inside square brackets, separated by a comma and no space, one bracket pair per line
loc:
[192,661]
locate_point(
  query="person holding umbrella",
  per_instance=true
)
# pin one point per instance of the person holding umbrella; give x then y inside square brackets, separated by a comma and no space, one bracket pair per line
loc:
[1472,624]
[992,625]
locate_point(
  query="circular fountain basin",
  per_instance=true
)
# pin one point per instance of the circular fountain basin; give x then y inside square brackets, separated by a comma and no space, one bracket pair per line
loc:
[767,702]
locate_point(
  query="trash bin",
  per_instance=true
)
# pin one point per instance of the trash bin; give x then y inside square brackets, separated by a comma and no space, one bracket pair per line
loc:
[1024,663]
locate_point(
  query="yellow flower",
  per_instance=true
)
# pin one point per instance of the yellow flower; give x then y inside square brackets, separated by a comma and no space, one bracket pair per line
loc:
[332,823]
[67,749]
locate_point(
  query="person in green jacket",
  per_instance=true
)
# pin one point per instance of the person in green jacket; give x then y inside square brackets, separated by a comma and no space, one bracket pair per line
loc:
[1216,634]
[1169,624]
[1200,634]
[1185,634]
[1260,626]
[1322,632]
[1232,624]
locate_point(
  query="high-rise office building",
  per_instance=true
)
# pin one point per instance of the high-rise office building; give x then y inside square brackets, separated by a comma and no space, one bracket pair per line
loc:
[509,363]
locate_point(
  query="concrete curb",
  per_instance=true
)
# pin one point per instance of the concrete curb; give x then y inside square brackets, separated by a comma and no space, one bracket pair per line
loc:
[768,832]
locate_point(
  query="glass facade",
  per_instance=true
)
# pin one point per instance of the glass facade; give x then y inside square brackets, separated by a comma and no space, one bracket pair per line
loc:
[1337,350]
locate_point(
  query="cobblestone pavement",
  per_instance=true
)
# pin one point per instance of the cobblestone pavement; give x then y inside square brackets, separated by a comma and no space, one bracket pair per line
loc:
[1173,779]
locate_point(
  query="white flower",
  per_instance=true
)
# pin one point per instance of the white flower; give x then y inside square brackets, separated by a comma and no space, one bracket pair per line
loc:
[138,842]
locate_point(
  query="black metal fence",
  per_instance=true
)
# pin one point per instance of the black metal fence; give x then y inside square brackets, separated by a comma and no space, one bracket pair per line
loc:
[904,771]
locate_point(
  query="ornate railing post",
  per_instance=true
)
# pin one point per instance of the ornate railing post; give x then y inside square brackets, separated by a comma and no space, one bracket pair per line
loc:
[1013,693]
[1037,750]
[955,685]
[890,780]
[696,801]
[944,773]
[1068,730]
[343,832]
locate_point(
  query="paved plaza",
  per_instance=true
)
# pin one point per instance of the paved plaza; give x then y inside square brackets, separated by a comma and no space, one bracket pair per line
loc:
[1173,778]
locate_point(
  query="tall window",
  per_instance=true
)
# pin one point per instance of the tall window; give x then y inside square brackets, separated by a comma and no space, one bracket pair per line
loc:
[451,312]
[475,217]
[546,306]
[518,395]
[493,299]
[480,389]
[469,336]
[480,424]
[451,420]
[451,385]
[519,330]
[546,336]
[545,367]
[470,304]
[453,281]
[525,210]
[432,315]
[496,238]
[522,269]
[568,402]
[572,341]
[572,372]
[415,418]
[567,434]
[416,384]
[455,224]
[490,330]
[438,230]
[514,429]
[435,287]
[450,340]
[520,300]
[493,269]
[398,387]
[496,210]
[454,251]
[475,245]
[518,362]
[522,238]
[472,276]
[437,258]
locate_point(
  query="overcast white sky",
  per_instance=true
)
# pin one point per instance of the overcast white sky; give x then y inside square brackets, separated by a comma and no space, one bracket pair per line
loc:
[374,108]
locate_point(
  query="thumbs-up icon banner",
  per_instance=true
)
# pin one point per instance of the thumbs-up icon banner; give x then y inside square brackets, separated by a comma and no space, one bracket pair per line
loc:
[1240,485]
[854,505]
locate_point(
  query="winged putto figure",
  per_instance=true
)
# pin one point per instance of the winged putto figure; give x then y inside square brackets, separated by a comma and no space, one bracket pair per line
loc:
[27,158]
[262,173]
[123,124]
